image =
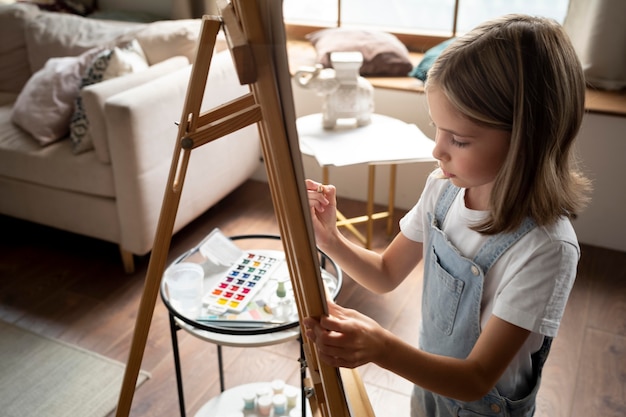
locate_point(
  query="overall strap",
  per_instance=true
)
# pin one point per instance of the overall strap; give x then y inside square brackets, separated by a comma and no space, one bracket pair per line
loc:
[444,202]
[496,245]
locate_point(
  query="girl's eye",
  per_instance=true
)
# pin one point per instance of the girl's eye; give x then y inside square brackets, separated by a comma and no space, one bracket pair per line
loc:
[453,139]
[458,143]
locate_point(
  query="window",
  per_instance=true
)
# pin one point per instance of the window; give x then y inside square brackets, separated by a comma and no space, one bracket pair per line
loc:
[418,23]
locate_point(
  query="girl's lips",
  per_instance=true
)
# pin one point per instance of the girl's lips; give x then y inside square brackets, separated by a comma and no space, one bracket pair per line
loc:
[446,173]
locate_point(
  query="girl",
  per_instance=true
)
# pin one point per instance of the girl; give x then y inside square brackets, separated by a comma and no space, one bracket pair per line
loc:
[492,225]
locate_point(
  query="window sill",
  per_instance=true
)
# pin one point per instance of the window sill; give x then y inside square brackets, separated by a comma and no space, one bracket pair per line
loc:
[302,53]
[606,102]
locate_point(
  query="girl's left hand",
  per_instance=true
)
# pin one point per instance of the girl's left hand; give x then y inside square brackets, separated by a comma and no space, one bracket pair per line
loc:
[346,338]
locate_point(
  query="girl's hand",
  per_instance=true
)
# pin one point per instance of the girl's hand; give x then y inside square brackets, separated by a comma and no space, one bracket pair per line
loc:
[346,338]
[323,205]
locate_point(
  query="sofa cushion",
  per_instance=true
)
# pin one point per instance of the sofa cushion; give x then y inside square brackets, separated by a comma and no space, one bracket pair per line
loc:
[168,38]
[14,66]
[45,105]
[95,96]
[50,35]
[23,159]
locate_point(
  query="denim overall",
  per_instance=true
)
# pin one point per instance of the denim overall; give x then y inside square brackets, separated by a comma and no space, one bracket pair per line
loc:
[451,316]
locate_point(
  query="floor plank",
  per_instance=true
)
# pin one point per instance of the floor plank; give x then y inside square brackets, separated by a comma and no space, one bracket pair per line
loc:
[600,380]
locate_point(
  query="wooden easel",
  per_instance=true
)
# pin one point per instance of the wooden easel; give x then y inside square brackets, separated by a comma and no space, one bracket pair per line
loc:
[256,38]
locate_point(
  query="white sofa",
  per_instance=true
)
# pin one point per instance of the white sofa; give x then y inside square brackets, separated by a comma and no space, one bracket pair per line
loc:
[114,191]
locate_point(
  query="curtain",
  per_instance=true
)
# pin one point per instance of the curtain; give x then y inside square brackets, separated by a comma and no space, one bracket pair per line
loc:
[597,29]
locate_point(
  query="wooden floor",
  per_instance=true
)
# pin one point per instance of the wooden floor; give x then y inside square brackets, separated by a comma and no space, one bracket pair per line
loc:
[73,288]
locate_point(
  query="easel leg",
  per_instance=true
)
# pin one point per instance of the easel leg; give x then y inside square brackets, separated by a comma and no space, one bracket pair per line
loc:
[167,217]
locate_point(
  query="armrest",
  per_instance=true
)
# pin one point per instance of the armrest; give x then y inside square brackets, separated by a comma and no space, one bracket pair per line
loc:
[142,132]
[95,96]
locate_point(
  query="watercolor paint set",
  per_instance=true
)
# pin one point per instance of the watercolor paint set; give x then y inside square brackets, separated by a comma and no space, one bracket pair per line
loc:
[242,281]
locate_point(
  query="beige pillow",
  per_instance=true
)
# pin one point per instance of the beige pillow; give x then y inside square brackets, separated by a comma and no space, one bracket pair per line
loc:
[51,35]
[46,103]
[383,53]
[168,38]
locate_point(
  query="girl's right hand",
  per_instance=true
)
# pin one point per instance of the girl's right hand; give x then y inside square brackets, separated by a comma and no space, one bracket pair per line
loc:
[323,205]
[346,338]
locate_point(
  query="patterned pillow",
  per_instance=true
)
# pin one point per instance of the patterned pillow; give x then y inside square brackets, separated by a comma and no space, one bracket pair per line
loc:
[110,63]
[79,125]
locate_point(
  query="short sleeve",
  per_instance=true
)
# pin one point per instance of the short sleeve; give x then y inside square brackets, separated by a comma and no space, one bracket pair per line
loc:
[545,278]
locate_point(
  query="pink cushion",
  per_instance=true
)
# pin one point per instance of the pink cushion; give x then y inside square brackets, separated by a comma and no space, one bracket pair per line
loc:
[46,103]
[383,53]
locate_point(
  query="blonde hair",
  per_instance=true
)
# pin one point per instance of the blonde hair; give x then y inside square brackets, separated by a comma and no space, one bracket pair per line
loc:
[521,74]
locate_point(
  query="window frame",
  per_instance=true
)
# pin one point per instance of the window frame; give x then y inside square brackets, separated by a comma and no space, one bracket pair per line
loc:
[418,41]
[415,42]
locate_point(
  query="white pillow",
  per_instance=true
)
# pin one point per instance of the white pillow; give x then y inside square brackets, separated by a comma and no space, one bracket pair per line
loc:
[126,60]
[167,38]
[46,103]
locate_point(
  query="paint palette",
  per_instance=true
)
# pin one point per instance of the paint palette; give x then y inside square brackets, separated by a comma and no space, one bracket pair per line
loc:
[242,281]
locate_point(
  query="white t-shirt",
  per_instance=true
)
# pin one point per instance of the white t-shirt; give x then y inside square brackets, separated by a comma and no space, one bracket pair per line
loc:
[528,286]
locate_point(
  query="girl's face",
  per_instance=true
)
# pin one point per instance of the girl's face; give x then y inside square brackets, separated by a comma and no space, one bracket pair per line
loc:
[469,154]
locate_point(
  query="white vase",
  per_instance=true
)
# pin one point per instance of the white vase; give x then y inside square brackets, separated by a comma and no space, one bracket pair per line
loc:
[347,95]
[354,98]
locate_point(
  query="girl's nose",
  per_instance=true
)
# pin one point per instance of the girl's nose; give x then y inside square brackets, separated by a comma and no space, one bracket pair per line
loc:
[438,150]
